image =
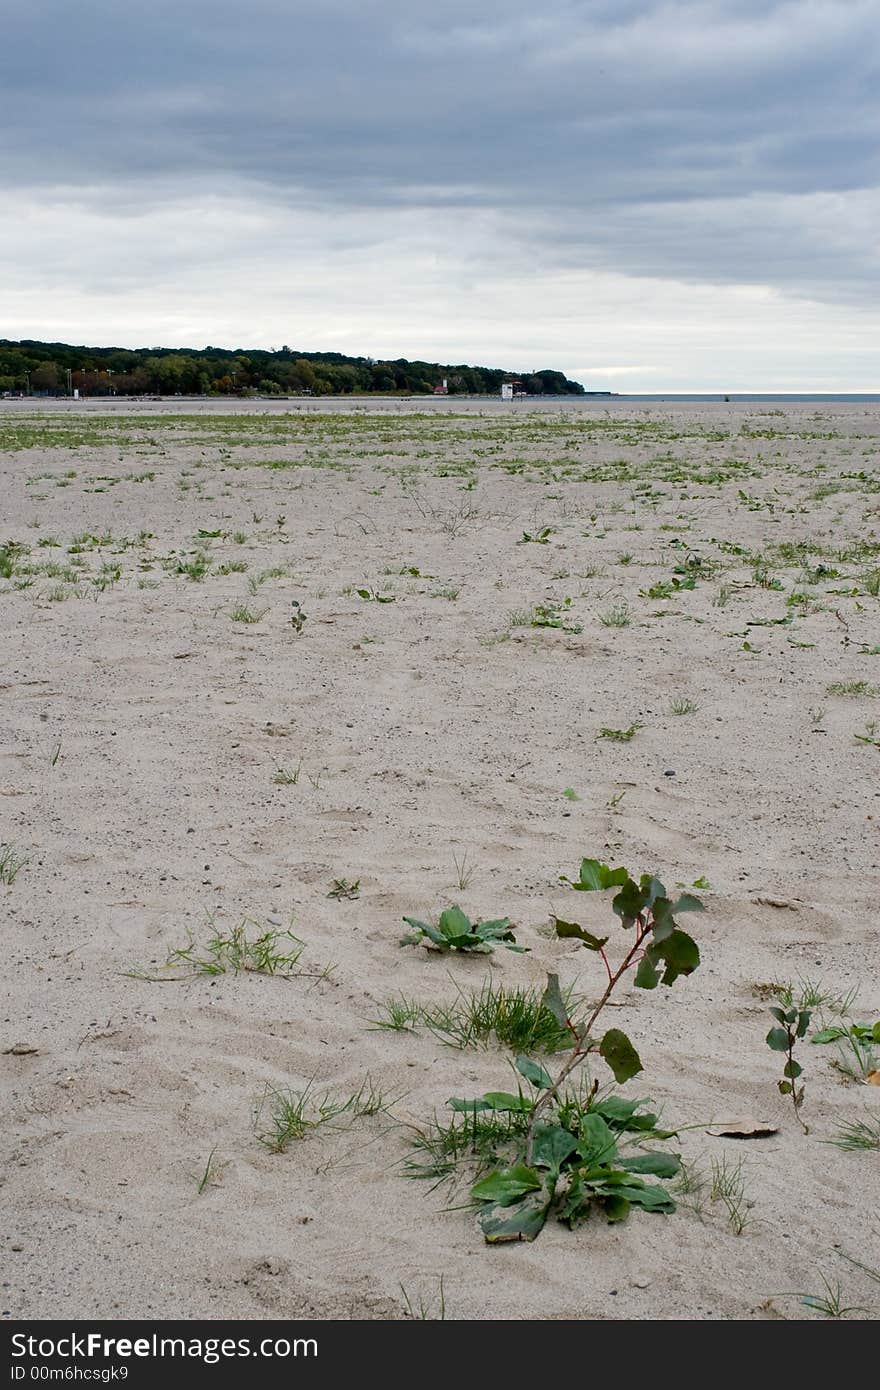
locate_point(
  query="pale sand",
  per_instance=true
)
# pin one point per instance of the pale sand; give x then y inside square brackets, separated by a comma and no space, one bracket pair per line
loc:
[427,741]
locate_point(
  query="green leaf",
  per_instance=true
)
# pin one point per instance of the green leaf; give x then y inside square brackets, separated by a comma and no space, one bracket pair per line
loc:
[468,1106]
[552,1000]
[521,1222]
[658,1164]
[575,1204]
[533,1072]
[505,1101]
[663,922]
[875,1032]
[565,929]
[777,1038]
[552,1146]
[688,903]
[652,889]
[506,1185]
[629,903]
[680,953]
[779,1015]
[803,1022]
[617,1050]
[785,1088]
[616,1208]
[594,877]
[597,1144]
[649,1197]
[792,1070]
[647,975]
[824,1035]
[453,923]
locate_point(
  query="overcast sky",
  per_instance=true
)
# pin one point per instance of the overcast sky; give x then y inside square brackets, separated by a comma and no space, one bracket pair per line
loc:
[648,196]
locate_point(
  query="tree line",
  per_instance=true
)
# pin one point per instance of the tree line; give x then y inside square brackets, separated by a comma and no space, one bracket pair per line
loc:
[58,369]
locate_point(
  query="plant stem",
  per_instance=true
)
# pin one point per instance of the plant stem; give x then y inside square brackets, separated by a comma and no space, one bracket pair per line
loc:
[585,1044]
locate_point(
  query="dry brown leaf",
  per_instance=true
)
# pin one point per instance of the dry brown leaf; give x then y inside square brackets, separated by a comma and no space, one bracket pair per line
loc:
[873,1078]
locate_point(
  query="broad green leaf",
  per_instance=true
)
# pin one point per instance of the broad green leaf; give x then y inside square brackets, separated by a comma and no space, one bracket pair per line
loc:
[521,1222]
[594,877]
[792,1070]
[576,1202]
[785,1088]
[663,923]
[779,1015]
[875,1032]
[803,1022]
[688,903]
[499,927]
[597,1144]
[679,952]
[468,1106]
[505,1100]
[629,903]
[617,1050]
[824,1035]
[777,1038]
[564,929]
[649,1196]
[616,1108]
[453,923]
[660,1165]
[533,1072]
[552,1147]
[616,1208]
[506,1185]
[652,889]
[647,975]
[552,1000]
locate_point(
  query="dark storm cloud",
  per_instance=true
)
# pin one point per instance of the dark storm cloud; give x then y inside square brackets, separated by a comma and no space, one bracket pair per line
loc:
[724,140]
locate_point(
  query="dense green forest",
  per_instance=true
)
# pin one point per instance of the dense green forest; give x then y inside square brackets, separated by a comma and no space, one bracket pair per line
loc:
[57,369]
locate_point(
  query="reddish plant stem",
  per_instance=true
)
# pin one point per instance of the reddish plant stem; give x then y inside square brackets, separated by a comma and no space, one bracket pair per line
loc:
[584,1044]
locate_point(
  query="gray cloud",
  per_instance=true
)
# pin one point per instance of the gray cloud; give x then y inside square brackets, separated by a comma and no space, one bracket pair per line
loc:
[725,141]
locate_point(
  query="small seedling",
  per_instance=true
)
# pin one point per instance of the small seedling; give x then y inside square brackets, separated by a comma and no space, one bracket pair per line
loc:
[242,614]
[233,952]
[211,1173]
[11,864]
[287,777]
[398,1016]
[681,705]
[570,794]
[729,1188]
[455,932]
[541,537]
[856,1043]
[616,616]
[830,1303]
[869,736]
[857,1135]
[297,616]
[283,1115]
[343,889]
[423,1314]
[464,871]
[793,1024]
[372,596]
[621,735]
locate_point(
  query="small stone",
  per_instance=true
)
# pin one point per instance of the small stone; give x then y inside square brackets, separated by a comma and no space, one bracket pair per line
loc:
[670,772]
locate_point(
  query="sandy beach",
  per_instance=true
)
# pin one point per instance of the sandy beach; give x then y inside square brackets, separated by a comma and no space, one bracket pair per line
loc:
[175,754]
